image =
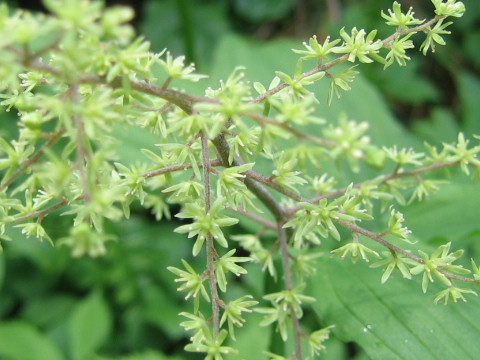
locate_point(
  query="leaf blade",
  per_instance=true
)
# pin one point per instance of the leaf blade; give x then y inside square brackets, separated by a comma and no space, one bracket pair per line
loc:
[393,321]
[22,341]
[89,326]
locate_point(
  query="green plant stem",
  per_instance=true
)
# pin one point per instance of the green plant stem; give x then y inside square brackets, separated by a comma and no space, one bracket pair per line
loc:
[210,244]
[414,172]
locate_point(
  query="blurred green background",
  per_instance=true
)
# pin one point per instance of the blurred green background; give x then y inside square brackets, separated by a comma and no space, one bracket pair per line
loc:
[125,306]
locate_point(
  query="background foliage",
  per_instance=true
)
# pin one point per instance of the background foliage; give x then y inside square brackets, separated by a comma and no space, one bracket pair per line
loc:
[125,305]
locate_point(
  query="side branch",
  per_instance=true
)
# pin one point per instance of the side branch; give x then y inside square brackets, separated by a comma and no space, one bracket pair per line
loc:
[182,100]
[360,230]
[266,181]
[173,168]
[385,179]
[32,160]
[344,58]
[379,239]
[41,213]
[411,30]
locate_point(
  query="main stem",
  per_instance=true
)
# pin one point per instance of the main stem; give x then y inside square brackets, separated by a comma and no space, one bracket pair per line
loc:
[282,238]
[210,245]
[255,186]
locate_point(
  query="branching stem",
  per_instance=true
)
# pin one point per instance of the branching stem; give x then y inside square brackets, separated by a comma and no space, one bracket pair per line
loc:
[254,181]
[41,213]
[267,181]
[210,244]
[395,249]
[252,184]
[344,58]
[173,168]
[385,179]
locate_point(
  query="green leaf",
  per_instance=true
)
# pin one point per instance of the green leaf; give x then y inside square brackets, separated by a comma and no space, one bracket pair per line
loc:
[22,341]
[130,140]
[2,270]
[394,321]
[403,77]
[259,11]
[59,308]
[469,87]
[251,339]
[182,28]
[159,310]
[89,326]
[149,355]
[451,213]
[441,127]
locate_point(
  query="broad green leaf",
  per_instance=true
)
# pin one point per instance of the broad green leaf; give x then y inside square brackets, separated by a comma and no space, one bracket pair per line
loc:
[161,311]
[469,88]
[59,308]
[187,27]
[452,212]
[335,350]
[403,77]
[158,32]
[90,326]
[43,254]
[440,128]
[130,140]
[470,45]
[394,321]
[22,341]
[252,339]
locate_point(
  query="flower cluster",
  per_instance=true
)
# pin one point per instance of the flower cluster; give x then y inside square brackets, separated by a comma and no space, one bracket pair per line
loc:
[224,156]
